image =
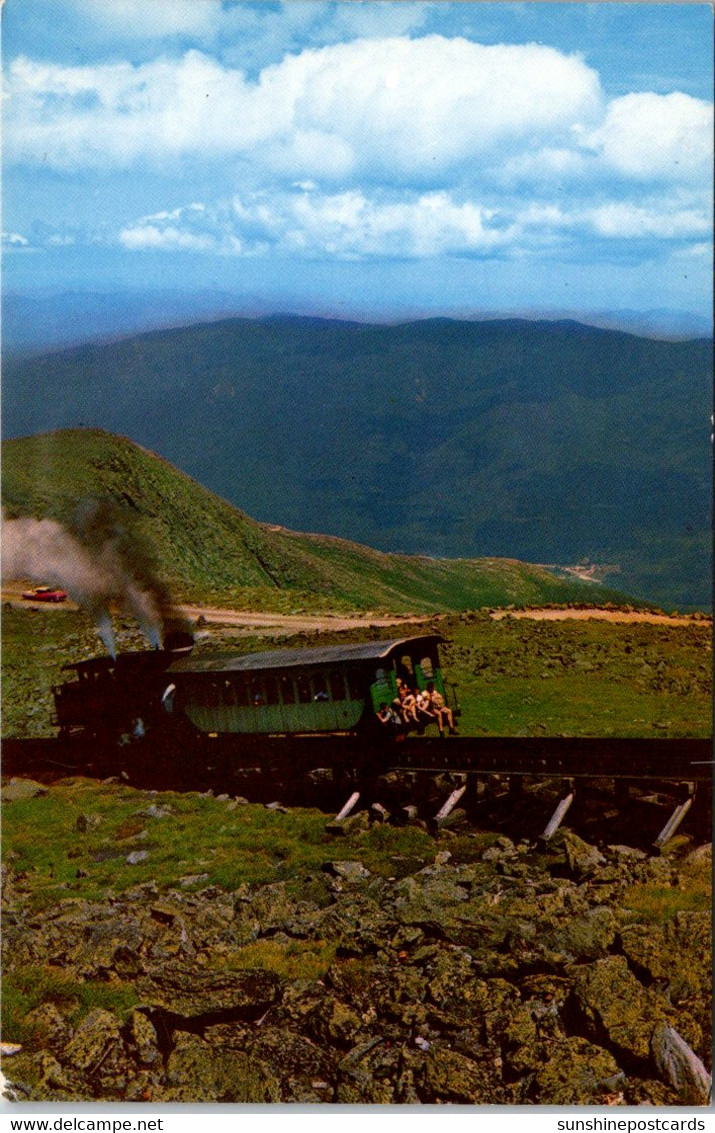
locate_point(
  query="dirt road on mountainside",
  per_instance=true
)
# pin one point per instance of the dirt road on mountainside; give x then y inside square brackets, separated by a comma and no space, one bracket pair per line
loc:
[246,621]
[242,621]
[563,615]
[252,622]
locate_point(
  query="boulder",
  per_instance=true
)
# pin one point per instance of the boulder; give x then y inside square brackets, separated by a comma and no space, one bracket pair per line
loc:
[306,1069]
[452,1077]
[680,1067]
[368,1074]
[47,1027]
[96,1041]
[677,954]
[616,1007]
[188,992]
[86,822]
[583,859]
[576,1073]
[18,790]
[335,1024]
[142,1039]
[347,871]
[198,1071]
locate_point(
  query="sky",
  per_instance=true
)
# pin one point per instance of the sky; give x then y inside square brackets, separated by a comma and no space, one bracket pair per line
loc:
[363,157]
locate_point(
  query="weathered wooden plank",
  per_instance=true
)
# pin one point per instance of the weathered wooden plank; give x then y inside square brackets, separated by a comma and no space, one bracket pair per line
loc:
[447,808]
[349,805]
[557,817]
[673,823]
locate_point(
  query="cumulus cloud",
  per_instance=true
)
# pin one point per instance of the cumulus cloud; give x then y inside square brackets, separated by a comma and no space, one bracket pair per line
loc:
[309,223]
[381,108]
[353,224]
[627,220]
[652,136]
[392,146]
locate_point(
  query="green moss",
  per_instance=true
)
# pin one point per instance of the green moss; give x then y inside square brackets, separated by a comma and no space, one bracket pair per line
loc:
[297,960]
[657,904]
[27,987]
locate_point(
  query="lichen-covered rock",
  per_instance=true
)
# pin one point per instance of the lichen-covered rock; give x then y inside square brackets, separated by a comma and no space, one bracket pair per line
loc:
[142,1039]
[347,871]
[306,1069]
[583,859]
[452,1077]
[201,1072]
[96,1042]
[576,1073]
[615,1006]
[86,822]
[335,1023]
[677,953]
[428,898]
[188,992]
[368,1074]
[18,790]
[47,1026]
[112,941]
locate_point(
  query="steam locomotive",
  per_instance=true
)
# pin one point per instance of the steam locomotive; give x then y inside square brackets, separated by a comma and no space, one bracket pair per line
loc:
[287,692]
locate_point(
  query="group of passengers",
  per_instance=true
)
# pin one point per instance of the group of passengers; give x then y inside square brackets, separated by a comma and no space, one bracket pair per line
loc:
[415,708]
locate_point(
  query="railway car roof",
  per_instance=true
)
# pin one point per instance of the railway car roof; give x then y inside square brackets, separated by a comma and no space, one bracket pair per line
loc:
[299,658]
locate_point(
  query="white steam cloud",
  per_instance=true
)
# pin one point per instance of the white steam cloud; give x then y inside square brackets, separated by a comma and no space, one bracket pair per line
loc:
[95,576]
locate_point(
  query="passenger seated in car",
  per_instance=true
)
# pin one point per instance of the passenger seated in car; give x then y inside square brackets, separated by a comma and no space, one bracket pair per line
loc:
[388,717]
[440,709]
[408,706]
[425,715]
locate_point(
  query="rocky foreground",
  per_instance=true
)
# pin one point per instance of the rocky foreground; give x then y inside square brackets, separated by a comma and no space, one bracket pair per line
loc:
[518,978]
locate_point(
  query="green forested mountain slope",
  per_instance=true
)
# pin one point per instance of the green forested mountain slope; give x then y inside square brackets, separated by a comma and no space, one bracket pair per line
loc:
[549,442]
[209,550]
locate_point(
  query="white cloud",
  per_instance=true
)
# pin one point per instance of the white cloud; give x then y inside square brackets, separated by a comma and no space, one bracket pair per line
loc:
[145,236]
[13,240]
[627,220]
[390,147]
[306,222]
[377,108]
[652,136]
[428,111]
[346,225]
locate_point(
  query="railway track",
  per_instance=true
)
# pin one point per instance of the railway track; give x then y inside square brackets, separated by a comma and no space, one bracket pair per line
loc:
[645,787]
[636,758]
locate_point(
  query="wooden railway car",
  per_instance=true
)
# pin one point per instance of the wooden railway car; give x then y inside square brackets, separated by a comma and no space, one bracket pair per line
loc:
[335,689]
[303,691]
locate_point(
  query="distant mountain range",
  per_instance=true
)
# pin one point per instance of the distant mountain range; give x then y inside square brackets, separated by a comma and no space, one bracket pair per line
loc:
[209,551]
[550,442]
[47,321]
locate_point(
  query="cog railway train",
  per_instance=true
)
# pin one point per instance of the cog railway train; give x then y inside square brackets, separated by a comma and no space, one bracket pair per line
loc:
[289,692]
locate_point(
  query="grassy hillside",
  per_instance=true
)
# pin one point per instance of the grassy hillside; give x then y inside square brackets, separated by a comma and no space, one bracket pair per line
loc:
[210,551]
[547,442]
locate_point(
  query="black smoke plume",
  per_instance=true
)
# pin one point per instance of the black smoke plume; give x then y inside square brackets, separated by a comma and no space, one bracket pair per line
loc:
[101,559]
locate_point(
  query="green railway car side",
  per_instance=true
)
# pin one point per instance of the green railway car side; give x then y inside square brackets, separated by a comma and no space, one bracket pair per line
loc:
[334,689]
[302,691]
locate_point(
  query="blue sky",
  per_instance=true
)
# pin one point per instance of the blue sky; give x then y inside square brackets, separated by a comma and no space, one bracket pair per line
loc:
[367,158]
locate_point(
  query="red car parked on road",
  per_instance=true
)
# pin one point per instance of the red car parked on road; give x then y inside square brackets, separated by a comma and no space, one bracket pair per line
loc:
[45,594]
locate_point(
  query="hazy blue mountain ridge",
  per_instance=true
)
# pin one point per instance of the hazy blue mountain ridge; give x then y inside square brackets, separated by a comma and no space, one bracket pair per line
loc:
[548,442]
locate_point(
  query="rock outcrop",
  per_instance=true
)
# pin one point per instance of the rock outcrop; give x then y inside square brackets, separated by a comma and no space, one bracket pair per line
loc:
[515,978]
